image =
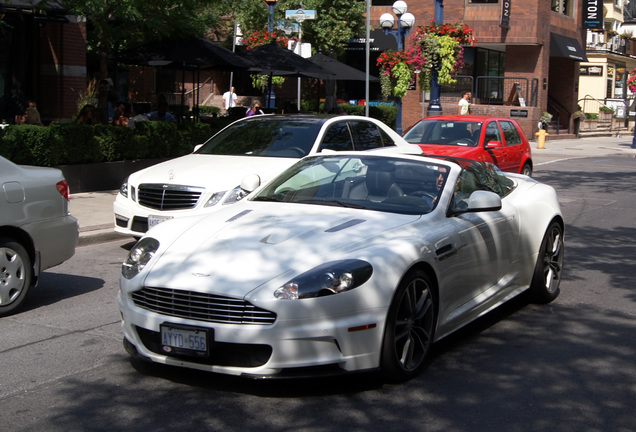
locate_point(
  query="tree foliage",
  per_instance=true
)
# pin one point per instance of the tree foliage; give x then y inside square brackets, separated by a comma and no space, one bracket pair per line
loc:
[336,21]
[117,25]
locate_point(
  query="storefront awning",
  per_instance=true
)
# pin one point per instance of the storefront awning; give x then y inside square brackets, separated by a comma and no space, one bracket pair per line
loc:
[563,46]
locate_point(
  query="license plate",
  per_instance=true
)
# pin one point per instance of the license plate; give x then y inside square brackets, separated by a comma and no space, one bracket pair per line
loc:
[156,220]
[185,340]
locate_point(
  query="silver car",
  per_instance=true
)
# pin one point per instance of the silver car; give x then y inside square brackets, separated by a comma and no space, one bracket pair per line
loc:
[37,231]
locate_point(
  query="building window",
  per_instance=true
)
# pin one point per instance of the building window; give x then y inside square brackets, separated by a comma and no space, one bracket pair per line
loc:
[482,1]
[563,7]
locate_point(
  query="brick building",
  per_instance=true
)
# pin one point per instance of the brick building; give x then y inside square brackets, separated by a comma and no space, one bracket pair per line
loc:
[42,57]
[540,47]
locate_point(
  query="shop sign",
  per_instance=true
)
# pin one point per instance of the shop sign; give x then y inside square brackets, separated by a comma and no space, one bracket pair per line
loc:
[593,14]
[504,20]
[591,70]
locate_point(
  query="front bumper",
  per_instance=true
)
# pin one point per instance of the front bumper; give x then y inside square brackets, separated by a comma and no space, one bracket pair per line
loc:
[342,343]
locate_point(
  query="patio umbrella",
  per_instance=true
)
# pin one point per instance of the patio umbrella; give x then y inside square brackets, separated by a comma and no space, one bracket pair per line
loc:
[339,71]
[272,59]
[192,53]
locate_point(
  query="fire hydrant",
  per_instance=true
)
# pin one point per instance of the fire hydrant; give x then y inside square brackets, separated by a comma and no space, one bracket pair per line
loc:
[541,138]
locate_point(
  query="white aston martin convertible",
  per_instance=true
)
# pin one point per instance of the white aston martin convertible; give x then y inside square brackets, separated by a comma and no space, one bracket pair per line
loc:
[342,263]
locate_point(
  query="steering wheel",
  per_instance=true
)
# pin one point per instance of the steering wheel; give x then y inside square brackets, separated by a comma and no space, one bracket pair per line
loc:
[298,150]
[426,196]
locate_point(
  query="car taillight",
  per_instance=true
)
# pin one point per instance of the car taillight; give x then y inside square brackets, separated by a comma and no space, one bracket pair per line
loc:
[62,188]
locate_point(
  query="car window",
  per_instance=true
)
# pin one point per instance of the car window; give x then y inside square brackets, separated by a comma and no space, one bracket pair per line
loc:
[510,133]
[448,132]
[366,135]
[337,138]
[366,182]
[492,133]
[264,137]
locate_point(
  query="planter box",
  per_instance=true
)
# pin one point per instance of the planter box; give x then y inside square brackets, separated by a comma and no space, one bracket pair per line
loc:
[102,176]
[602,115]
[590,124]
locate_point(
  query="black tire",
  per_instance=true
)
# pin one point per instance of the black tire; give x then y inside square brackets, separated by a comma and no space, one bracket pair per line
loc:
[410,328]
[526,169]
[15,275]
[547,272]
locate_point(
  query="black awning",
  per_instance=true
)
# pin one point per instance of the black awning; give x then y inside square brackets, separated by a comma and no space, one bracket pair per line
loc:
[563,46]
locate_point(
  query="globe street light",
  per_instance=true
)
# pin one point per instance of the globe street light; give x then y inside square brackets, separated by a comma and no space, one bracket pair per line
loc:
[405,21]
[270,14]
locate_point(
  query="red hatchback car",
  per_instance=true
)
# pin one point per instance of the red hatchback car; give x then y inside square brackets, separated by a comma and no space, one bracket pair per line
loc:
[486,139]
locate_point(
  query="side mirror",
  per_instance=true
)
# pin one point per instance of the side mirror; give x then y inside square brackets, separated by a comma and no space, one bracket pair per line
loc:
[197,147]
[494,144]
[483,201]
[250,182]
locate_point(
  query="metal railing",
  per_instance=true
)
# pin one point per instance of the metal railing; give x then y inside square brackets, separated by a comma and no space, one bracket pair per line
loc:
[491,90]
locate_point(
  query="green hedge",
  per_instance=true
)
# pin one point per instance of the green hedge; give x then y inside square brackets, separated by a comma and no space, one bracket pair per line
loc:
[68,144]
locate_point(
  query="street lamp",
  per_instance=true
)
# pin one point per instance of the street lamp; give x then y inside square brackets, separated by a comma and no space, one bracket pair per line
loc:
[434,105]
[405,21]
[270,14]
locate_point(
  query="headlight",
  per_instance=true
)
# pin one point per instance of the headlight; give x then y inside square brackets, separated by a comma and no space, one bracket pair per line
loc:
[214,199]
[123,189]
[327,279]
[139,256]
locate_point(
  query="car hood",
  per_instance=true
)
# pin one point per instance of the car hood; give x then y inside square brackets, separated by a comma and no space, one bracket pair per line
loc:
[214,172]
[448,150]
[233,252]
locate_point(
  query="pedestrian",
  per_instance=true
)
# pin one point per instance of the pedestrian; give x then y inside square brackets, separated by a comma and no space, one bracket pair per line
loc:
[88,115]
[464,103]
[230,100]
[255,110]
[122,114]
[162,113]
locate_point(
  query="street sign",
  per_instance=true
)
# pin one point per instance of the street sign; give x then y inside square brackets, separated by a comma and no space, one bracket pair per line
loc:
[300,15]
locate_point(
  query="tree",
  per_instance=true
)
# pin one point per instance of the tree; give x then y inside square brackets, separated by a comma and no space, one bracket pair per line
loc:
[114,26]
[336,21]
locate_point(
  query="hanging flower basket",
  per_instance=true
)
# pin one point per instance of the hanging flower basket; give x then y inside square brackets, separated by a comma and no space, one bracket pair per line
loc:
[432,47]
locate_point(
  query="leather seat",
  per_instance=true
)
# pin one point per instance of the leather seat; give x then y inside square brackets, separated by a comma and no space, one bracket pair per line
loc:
[379,184]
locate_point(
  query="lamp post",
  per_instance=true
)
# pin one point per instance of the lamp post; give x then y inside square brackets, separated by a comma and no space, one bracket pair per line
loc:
[434,105]
[404,23]
[270,14]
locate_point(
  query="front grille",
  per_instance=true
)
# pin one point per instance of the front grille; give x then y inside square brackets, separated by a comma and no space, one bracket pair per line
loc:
[168,197]
[201,307]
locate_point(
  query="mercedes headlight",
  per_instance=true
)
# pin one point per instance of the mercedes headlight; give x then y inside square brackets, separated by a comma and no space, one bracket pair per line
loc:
[235,195]
[327,279]
[123,189]
[139,256]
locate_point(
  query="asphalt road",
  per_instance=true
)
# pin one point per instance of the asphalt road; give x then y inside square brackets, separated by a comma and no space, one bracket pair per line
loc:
[566,366]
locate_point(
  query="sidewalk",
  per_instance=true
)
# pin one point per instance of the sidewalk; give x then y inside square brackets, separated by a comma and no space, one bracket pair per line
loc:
[94,210]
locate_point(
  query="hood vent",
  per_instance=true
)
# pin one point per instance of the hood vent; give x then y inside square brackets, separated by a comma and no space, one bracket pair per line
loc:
[349,224]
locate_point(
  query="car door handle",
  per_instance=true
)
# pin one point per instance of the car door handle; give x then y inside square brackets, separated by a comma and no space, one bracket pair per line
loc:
[447,251]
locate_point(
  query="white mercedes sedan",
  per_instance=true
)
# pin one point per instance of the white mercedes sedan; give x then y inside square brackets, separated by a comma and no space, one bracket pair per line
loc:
[345,262]
[36,229]
[209,178]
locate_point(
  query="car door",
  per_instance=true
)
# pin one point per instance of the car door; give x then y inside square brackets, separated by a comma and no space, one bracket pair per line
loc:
[477,259]
[498,153]
[512,141]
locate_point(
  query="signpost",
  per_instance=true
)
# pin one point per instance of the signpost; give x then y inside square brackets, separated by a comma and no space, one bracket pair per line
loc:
[300,15]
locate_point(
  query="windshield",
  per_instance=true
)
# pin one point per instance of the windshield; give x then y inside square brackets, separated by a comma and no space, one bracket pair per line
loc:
[265,136]
[446,132]
[393,185]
